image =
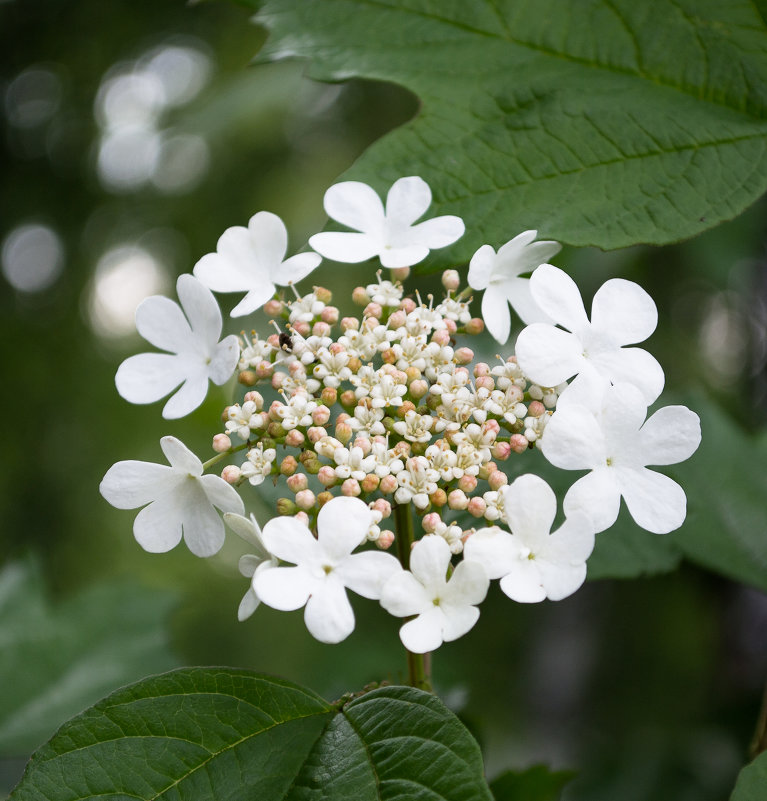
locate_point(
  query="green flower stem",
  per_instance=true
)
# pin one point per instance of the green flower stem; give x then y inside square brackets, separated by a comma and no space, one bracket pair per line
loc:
[419,665]
[218,457]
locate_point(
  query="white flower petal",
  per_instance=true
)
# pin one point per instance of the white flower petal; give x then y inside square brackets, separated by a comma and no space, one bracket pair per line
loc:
[625,310]
[423,634]
[467,586]
[147,377]
[656,502]
[162,323]
[403,595]
[671,435]
[438,232]
[407,200]
[355,205]
[635,366]
[481,267]
[597,495]
[295,268]
[130,484]
[403,256]
[559,297]
[248,530]
[496,314]
[248,563]
[328,614]
[203,528]
[158,527]
[290,540]
[222,495]
[457,620]
[180,457]
[560,580]
[254,300]
[548,355]
[572,542]
[517,291]
[201,309]
[366,573]
[283,588]
[345,247]
[224,361]
[574,440]
[269,240]
[342,525]
[523,583]
[623,413]
[248,605]
[525,254]
[429,559]
[191,394]
[233,267]
[530,506]
[493,548]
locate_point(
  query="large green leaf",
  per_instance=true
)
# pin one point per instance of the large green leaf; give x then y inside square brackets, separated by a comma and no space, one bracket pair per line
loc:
[603,122]
[752,781]
[56,659]
[221,734]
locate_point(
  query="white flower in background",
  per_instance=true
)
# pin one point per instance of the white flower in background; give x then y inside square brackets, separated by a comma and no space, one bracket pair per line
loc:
[178,500]
[259,464]
[367,421]
[499,274]
[195,354]
[391,234]
[416,482]
[250,563]
[242,420]
[622,313]
[352,463]
[445,609]
[611,438]
[531,562]
[385,293]
[252,260]
[324,567]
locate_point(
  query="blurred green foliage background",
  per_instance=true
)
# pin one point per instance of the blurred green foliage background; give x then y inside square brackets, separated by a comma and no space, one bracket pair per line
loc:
[134,133]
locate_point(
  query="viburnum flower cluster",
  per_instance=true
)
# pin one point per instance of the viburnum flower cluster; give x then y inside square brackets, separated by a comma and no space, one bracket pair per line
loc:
[382,432]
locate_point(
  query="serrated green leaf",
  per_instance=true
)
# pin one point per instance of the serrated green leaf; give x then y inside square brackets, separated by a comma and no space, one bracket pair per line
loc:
[752,781]
[60,658]
[219,734]
[608,122]
[534,784]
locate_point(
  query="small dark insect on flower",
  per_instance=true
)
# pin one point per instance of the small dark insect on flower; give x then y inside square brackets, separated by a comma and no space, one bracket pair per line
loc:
[286,342]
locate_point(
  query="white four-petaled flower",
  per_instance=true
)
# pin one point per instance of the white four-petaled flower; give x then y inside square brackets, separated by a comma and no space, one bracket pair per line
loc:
[178,500]
[392,234]
[445,608]
[532,563]
[195,354]
[324,567]
[622,313]
[253,260]
[499,274]
[607,434]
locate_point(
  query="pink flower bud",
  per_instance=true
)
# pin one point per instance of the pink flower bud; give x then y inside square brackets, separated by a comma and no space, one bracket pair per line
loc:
[221,443]
[305,498]
[336,347]
[231,474]
[373,310]
[430,522]
[383,506]
[327,476]
[518,443]
[360,296]
[321,329]
[323,498]
[419,388]
[400,273]
[402,449]
[329,315]
[486,469]
[255,397]
[363,443]
[302,517]
[316,433]
[348,399]
[463,372]
[450,327]
[321,415]
[497,479]
[502,450]
[481,368]
[441,337]
[389,356]
[407,305]
[302,328]
[247,378]
[388,485]
[351,488]
[467,483]
[451,280]
[288,465]
[475,326]
[278,379]
[397,319]
[294,438]
[273,307]
[329,396]
[491,425]
[273,411]
[485,382]
[350,324]
[370,483]
[464,355]
[298,482]
[323,294]
[343,432]
[385,540]
[438,497]
[536,409]
[264,369]
[274,340]
[457,500]
[343,418]
[477,507]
